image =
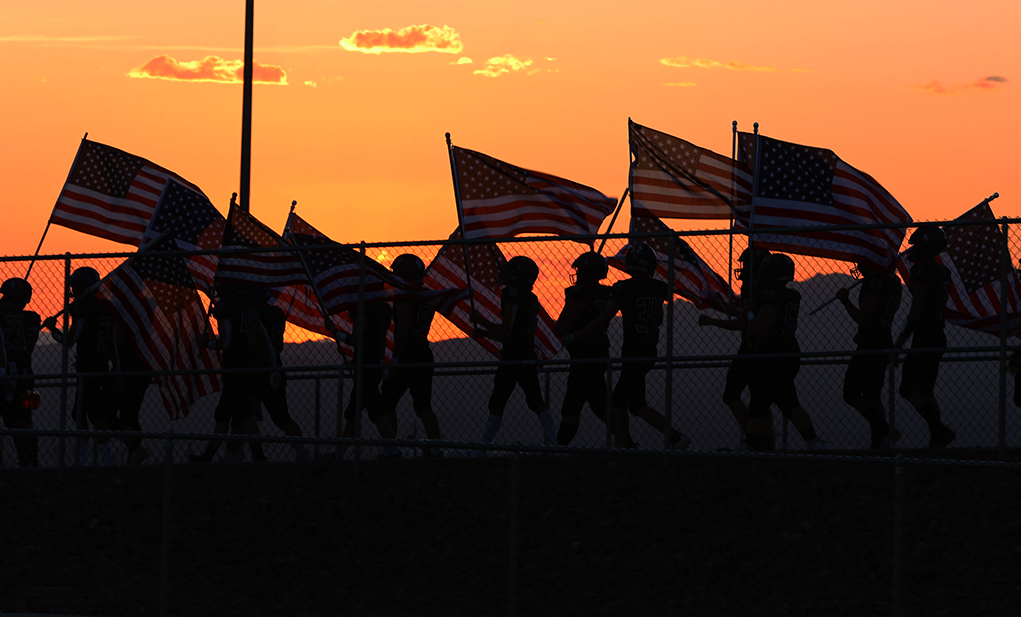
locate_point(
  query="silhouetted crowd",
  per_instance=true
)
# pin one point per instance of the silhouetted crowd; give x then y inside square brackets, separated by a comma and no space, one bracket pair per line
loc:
[250,340]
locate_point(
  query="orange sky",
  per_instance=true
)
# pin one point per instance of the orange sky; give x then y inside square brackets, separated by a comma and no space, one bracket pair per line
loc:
[896,90]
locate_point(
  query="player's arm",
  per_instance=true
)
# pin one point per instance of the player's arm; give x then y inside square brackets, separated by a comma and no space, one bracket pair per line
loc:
[404,322]
[599,324]
[478,318]
[572,308]
[217,343]
[77,324]
[736,324]
[266,351]
[919,291]
[32,331]
[494,331]
[870,304]
[762,323]
[115,336]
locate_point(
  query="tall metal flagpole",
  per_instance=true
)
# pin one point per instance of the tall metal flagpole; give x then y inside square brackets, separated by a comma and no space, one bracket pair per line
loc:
[246,107]
[616,212]
[460,221]
[50,221]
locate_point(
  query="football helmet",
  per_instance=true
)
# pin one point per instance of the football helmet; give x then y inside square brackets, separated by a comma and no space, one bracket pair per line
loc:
[926,242]
[82,279]
[410,267]
[17,291]
[520,271]
[776,268]
[640,258]
[590,266]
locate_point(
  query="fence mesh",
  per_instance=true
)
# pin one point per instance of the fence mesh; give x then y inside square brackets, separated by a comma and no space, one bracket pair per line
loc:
[320,380]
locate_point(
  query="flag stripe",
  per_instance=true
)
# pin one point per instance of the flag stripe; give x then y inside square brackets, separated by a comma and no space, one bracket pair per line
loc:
[673,178]
[89,201]
[163,345]
[501,200]
[795,191]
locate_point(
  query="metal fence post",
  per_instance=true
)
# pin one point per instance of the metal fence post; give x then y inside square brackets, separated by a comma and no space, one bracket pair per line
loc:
[898,537]
[892,397]
[515,507]
[1005,266]
[318,395]
[340,410]
[609,403]
[548,371]
[668,410]
[63,368]
[168,477]
[359,394]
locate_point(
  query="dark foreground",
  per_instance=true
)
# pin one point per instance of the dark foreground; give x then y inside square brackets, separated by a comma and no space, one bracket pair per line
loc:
[622,536]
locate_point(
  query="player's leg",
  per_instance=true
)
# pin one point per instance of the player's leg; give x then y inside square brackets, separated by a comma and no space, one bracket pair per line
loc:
[528,378]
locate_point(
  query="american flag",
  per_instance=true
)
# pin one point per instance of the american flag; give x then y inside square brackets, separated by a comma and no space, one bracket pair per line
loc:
[800,186]
[335,270]
[486,260]
[275,268]
[190,219]
[499,200]
[672,178]
[154,299]
[973,257]
[111,194]
[301,304]
[694,279]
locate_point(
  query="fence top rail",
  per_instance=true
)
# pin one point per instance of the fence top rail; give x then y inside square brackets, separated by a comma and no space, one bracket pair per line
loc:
[897,459]
[584,239]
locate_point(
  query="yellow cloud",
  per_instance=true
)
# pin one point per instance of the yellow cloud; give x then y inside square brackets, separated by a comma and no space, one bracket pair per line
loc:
[210,68]
[463,60]
[311,84]
[506,63]
[683,62]
[35,38]
[410,40]
[938,87]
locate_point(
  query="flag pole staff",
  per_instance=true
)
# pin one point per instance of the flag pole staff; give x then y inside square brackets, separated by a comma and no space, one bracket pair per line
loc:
[733,196]
[327,322]
[1005,266]
[50,221]
[755,191]
[209,309]
[613,220]
[460,221]
[246,106]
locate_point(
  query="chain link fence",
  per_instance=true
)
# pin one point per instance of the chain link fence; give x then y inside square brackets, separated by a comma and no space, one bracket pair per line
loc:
[687,382]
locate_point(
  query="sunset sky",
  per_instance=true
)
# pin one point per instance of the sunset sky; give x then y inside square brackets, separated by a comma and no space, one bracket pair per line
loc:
[925,97]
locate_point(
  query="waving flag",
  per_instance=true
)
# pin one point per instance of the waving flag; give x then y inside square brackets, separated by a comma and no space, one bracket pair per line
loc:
[672,178]
[336,272]
[694,280]
[194,224]
[447,270]
[111,194]
[973,256]
[800,186]
[154,299]
[499,200]
[273,268]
